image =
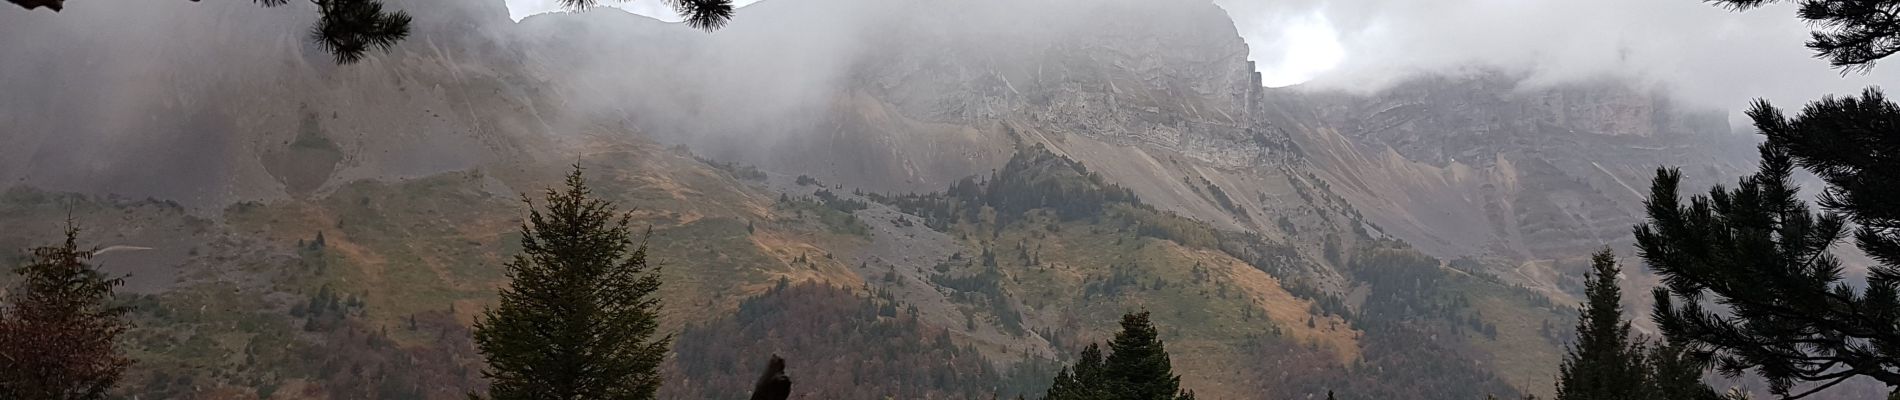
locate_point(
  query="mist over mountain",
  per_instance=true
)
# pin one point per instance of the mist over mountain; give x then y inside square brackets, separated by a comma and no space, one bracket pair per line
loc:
[906,199]
[1701,54]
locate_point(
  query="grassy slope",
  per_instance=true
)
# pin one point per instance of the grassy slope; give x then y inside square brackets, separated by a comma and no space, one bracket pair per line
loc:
[1204,320]
[1052,268]
[414,261]
[1070,269]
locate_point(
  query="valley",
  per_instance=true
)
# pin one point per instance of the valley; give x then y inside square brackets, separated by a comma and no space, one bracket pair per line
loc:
[917,200]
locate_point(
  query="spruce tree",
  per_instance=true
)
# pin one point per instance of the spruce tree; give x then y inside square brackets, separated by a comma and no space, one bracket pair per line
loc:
[1137,368]
[1086,380]
[580,317]
[1139,361]
[1675,374]
[58,334]
[1604,363]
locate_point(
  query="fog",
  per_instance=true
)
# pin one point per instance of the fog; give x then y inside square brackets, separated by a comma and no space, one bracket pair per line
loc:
[519,9]
[85,86]
[785,79]
[1704,54]
[1707,55]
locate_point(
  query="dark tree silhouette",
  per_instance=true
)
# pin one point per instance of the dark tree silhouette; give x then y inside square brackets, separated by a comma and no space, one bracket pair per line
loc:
[1750,282]
[1605,363]
[55,5]
[1849,34]
[1086,380]
[774,385]
[1608,363]
[580,316]
[1761,254]
[1137,368]
[1139,361]
[1675,374]
[58,335]
[1852,143]
[349,29]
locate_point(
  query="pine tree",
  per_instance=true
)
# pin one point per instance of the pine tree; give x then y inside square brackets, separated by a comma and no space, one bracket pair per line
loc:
[58,335]
[1675,374]
[1604,363]
[1086,380]
[1137,368]
[1138,359]
[1760,256]
[1849,34]
[1759,253]
[580,318]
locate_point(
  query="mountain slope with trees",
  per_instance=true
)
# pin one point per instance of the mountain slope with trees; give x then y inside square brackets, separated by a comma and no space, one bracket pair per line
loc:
[337,232]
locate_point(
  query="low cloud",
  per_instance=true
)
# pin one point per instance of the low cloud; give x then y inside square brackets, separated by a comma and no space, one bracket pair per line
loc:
[1705,54]
[518,9]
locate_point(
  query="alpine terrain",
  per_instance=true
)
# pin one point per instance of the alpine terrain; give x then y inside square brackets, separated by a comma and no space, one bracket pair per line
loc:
[911,200]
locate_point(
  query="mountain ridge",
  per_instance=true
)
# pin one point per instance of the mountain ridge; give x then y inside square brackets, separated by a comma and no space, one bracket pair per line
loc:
[1268,222]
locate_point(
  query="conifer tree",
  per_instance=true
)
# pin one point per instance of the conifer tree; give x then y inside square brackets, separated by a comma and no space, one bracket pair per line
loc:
[1137,368]
[1604,363]
[1139,360]
[1675,374]
[58,333]
[579,319]
[1761,255]
[1084,381]
[1849,34]
[1750,282]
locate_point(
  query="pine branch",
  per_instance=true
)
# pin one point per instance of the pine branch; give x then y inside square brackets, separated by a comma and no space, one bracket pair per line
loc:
[1850,34]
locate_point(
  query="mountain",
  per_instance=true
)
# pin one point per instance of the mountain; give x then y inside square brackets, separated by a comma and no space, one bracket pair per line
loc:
[905,199]
[1532,177]
[212,105]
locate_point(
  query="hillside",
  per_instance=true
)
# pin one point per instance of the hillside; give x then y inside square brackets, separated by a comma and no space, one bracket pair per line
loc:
[967,193]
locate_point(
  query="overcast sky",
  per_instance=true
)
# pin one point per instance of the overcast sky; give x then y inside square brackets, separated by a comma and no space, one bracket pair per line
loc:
[519,9]
[1705,54]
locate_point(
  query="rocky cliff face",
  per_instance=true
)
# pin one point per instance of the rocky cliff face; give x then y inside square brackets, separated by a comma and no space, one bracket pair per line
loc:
[1483,167]
[882,96]
[1160,97]
[911,96]
[888,97]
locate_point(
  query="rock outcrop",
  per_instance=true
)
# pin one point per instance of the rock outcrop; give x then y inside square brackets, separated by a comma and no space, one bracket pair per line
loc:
[215,104]
[1481,166]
